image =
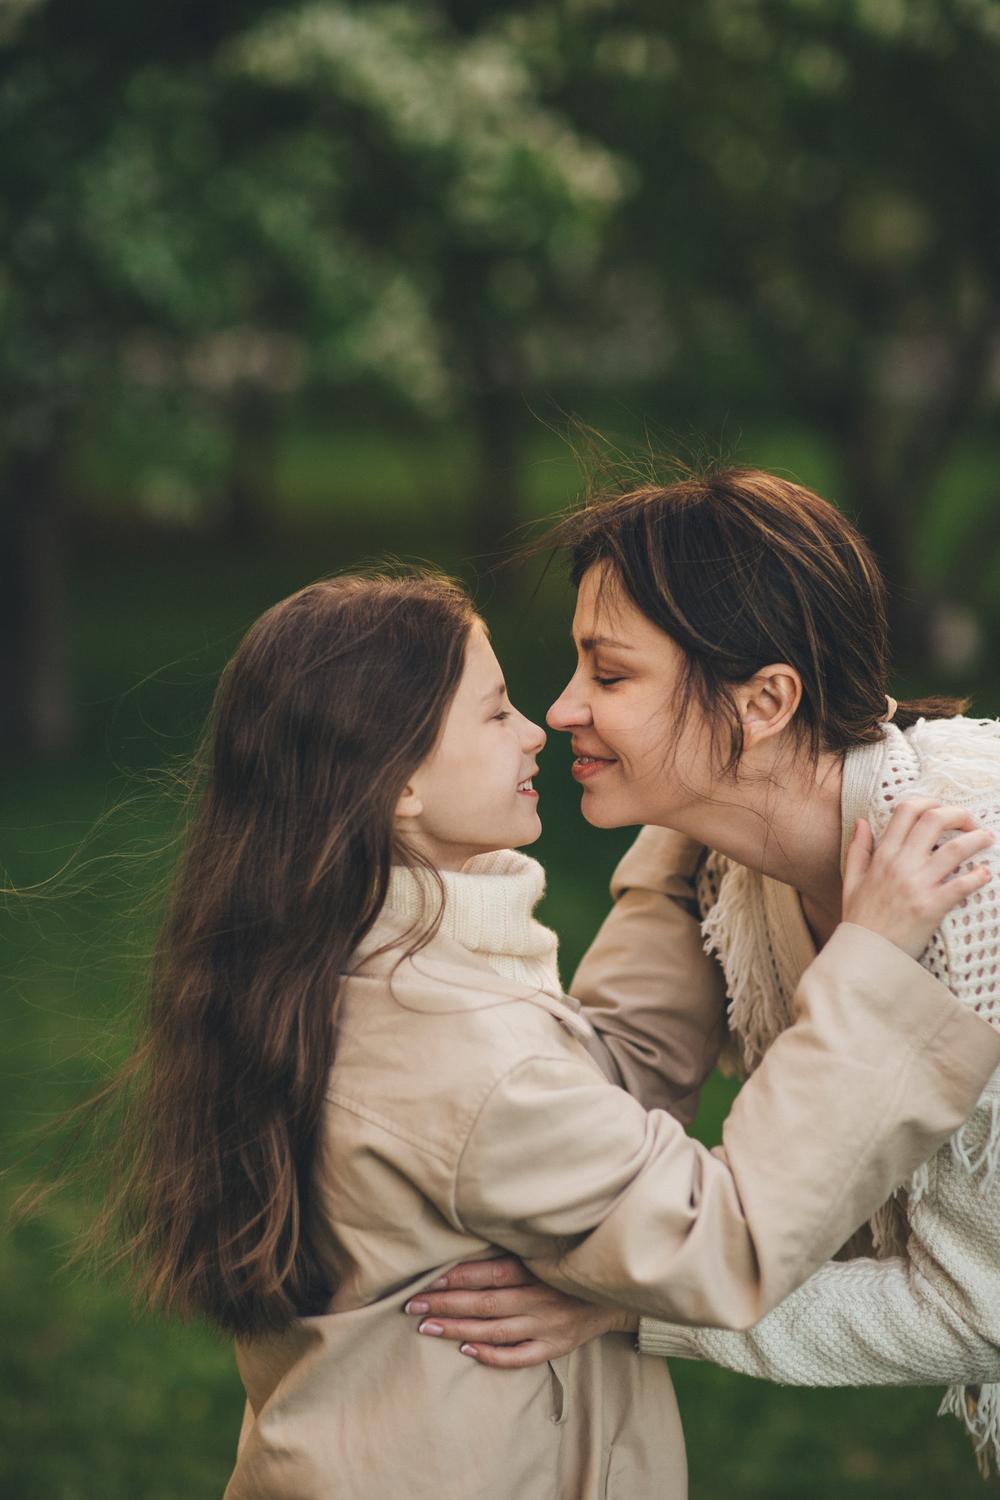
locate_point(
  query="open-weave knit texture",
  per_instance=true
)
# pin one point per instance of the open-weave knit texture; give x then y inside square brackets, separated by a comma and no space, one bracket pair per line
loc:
[926,1309]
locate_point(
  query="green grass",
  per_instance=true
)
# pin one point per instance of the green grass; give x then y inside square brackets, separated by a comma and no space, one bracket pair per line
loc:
[97,1402]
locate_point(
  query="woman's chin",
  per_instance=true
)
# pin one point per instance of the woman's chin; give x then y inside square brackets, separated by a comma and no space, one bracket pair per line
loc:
[602,813]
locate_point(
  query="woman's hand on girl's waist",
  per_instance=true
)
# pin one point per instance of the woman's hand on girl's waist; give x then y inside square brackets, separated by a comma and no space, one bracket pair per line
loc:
[500,1314]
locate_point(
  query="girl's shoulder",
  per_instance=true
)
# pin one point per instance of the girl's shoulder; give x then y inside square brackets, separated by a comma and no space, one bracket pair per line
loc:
[422,1042]
[442,1020]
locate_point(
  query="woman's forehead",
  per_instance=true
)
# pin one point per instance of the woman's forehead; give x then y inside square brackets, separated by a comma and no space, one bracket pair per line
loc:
[606,616]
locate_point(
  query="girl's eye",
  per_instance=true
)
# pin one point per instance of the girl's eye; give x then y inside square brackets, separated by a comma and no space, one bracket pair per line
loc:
[503,714]
[607,681]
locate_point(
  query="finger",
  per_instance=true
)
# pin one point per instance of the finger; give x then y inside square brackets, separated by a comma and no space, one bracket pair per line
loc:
[501,1331]
[520,1357]
[904,815]
[505,1302]
[933,823]
[859,854]
[954,852]
[954,891]
[505,1270]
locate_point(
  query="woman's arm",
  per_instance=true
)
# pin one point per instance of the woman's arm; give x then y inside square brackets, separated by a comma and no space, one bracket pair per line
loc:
[652,993]
[861,1322]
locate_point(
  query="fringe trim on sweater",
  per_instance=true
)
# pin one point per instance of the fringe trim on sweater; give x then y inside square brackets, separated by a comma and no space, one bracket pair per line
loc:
[977,1407]
[958,757]
[735,931]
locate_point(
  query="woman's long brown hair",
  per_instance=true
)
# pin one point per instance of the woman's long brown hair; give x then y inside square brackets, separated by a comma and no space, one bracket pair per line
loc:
[332,699]
[743,569]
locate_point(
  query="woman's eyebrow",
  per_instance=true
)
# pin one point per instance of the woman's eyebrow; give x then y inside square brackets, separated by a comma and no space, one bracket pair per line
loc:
[495,692]
[589,643]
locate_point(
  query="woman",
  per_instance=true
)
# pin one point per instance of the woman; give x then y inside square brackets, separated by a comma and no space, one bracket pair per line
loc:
[360,1070]
[731,686]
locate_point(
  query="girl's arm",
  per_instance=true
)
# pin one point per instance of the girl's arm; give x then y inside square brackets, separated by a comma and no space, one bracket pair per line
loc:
[617,1205]
[653,995]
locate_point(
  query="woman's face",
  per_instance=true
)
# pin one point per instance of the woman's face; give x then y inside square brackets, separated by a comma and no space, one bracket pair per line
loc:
[629,758]
[474,791]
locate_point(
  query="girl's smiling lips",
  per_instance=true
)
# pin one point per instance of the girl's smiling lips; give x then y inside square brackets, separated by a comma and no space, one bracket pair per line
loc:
[524,787]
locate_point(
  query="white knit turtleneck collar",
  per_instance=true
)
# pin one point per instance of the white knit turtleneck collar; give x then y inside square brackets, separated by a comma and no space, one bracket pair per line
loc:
[488,908]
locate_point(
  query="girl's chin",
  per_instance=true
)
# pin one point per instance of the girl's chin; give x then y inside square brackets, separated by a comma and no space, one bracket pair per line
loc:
[529,834]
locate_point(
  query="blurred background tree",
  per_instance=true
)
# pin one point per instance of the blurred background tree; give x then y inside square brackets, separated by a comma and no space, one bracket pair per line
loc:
[285,285]
[218,228]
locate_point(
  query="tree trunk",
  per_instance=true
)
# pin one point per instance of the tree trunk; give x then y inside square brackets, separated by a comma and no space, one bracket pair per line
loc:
[889,518]
[39,717]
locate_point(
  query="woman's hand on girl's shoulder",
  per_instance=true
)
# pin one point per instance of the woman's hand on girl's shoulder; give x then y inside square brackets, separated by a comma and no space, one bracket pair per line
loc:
[501,1315]
[903,887]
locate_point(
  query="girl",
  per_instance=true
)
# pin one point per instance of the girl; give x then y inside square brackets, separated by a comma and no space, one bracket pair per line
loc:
[361,1070]
[755,612]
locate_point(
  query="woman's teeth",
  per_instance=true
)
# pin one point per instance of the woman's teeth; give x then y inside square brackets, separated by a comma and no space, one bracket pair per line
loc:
[525,786]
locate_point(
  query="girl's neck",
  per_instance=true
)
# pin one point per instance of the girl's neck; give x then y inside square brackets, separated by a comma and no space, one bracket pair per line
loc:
[786,823]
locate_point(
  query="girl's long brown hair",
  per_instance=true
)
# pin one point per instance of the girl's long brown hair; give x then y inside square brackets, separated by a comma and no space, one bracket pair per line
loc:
[332,699]
[743,569]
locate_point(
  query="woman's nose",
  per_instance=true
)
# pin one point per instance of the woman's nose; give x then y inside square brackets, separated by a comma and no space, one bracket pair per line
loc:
[567,712]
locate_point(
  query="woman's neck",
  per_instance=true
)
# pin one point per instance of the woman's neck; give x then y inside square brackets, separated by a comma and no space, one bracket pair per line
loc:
[786,823]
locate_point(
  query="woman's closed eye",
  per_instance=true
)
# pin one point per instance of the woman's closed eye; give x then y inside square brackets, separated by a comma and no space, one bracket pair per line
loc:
[606,681]
[503,714]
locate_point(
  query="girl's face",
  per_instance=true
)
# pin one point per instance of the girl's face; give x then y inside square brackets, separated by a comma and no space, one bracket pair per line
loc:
[474,792]
[633,765]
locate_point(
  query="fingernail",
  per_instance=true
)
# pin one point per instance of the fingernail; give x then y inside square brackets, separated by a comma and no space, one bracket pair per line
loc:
[434,1329]
[416,1306]
[469,1349]
[437,1286]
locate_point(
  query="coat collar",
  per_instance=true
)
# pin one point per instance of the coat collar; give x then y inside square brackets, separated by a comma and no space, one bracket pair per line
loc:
[445,977]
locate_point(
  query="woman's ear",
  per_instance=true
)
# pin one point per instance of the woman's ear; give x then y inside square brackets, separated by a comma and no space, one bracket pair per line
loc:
[409,804]
[768,701]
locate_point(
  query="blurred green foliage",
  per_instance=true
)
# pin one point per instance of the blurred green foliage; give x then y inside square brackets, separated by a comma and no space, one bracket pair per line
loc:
[218,225]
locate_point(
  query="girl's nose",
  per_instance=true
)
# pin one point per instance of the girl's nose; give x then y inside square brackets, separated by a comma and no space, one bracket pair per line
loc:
[534,737]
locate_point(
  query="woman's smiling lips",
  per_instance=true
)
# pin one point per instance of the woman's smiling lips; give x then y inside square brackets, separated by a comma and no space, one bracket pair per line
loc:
[585,767]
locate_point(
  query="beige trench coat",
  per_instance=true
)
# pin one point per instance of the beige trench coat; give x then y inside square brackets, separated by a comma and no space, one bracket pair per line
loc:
[466,1112]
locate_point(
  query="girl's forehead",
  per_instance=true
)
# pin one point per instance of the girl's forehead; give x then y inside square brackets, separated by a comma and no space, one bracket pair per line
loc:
[482,669]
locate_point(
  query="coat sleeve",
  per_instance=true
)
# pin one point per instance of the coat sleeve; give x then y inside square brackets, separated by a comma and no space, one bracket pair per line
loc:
[933,1317]
[653,995]
[616,1204]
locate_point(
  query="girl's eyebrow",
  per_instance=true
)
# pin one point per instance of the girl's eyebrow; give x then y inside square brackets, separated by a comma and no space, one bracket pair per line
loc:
[495,692]
[591,643]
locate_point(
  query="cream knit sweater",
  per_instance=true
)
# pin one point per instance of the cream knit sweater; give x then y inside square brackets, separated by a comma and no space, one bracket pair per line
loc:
[489,908]
[925,1307]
